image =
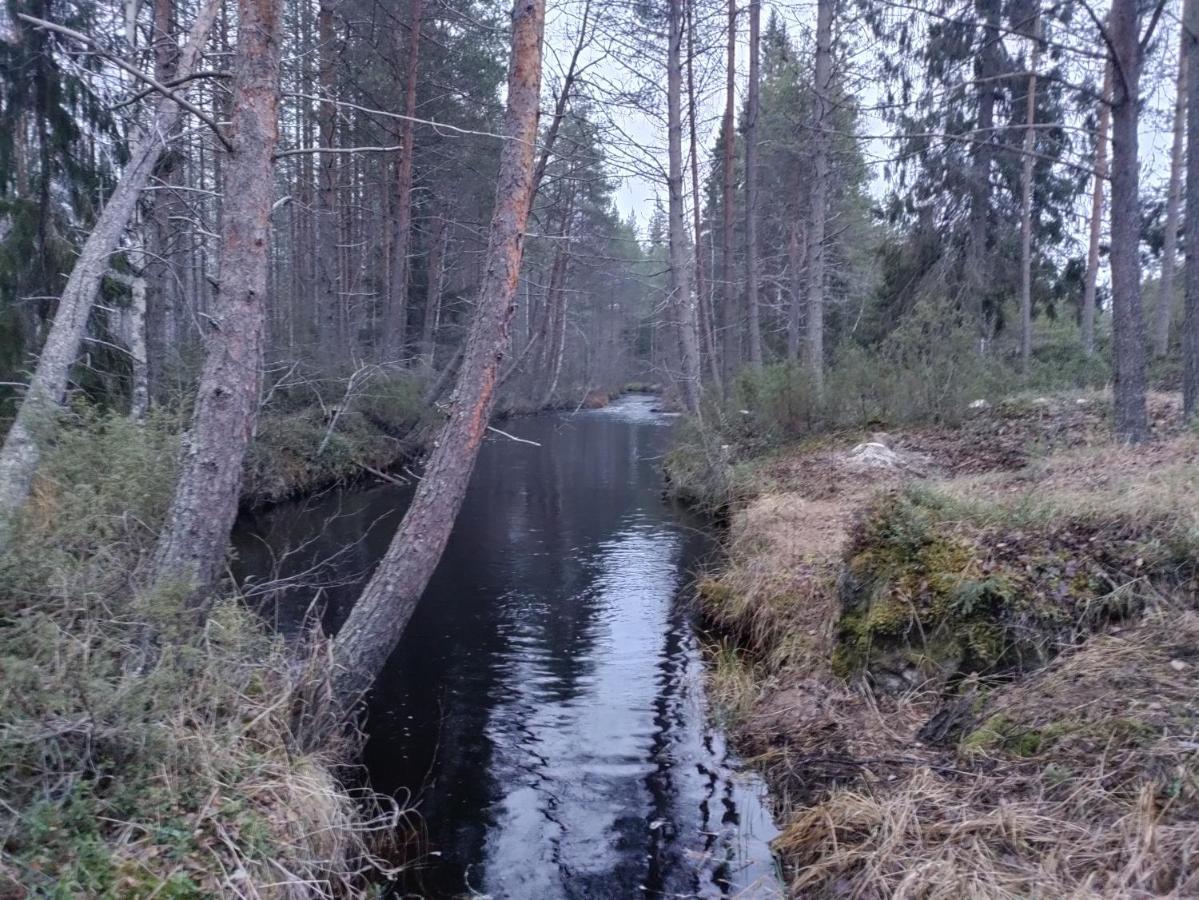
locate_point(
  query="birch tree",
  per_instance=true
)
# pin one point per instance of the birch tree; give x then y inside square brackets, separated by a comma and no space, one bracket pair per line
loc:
[35,422]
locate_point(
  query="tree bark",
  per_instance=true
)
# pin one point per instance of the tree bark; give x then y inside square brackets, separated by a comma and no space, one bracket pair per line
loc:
[162,289]
[796,246]
[1190,317]
[679,287]
[977,261]
[35,420]
[1128,323]
[707,325]
[386,605]
[1096,229]
[751,187]
[436,268]
[1026,173]
[191,548]
[729,318]
[396,320]
[328,295]
[820,178]
[1165,290]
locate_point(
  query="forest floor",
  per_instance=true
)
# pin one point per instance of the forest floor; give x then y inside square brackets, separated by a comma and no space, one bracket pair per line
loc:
[967,657]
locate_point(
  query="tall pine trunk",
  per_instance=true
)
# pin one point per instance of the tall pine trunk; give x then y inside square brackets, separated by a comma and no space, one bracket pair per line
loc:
[1128,323]
[820,179]
[1165,290]
[1026,173]
[706,324]
[730,320]
[387,603]
[753,324]
[680,289]
[191,549]
[328,296]
[395,322]
[36,418]
[1190,317]
[1096,225]
[978,257]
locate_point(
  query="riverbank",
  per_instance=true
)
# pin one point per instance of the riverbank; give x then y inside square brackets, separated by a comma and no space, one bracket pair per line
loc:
[965,657]
[186,766]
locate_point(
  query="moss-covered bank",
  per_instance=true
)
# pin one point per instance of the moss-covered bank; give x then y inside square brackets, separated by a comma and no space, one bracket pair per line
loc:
[970,673]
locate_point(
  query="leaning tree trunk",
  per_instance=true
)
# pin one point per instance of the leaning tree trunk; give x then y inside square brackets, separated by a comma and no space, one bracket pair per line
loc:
[1165,288]
[820,179]
[1190,318]
[680,289]
[36,418]
[382,612]
[1026,173]
[1128,323]
[191,549]
[395,322]
[1096,229]
[751,189]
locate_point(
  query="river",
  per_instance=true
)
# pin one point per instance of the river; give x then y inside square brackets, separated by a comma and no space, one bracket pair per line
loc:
[545,710]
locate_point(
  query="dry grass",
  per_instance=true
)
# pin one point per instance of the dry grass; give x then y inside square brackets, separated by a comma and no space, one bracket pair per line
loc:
[1079,779]
[1106,805]
[140,754]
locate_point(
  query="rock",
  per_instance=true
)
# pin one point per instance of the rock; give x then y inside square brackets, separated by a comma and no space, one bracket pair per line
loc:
[873,455]
[1178,665]
[979,404]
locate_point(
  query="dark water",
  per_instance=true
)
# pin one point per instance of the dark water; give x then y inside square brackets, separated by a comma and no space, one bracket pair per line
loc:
[545,710]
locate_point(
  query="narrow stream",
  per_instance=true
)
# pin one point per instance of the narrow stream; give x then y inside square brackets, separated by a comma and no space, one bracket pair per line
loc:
[545,711]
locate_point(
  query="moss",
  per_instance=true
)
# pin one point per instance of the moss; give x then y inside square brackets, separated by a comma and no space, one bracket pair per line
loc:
[923,584]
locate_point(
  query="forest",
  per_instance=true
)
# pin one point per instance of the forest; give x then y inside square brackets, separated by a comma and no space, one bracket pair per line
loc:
[311,309]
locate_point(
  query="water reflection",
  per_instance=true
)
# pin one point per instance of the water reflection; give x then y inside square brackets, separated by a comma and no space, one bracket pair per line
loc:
[546,705]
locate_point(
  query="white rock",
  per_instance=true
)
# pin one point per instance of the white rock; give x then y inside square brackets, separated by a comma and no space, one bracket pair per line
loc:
[979,404]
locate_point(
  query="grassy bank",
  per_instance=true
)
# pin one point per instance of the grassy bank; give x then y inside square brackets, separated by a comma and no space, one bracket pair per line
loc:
[967,661]
[141,756]
[309,439]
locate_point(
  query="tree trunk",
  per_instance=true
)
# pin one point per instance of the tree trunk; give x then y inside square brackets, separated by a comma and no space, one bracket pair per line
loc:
[191,549]
[395,322]
[751,188]
[162,290]
[1096,230]
[437,247]
[1190,318]
[679,288]
[796,245]
[35,420]
[382,612]
[1026,173]
[977,261]
[1128,323]
[729,318]
[707,326]
[328,297]
[820,178]
[1165,290]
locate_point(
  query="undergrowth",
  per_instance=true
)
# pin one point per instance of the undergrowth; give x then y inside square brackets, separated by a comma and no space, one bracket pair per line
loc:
[142,755]
[979,685]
